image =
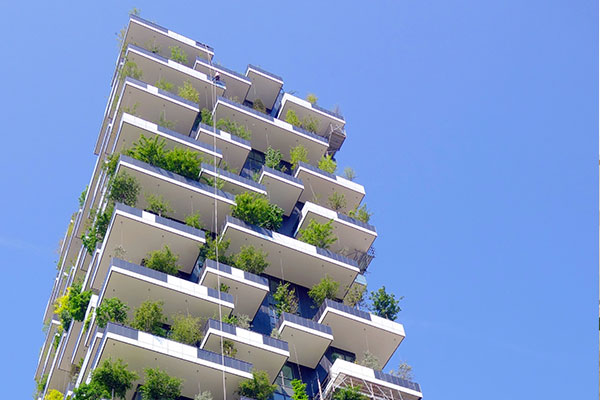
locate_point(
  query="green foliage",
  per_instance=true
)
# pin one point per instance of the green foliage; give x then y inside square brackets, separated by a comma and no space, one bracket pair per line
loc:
[88,320]
[258,388]
[275,333]
[163,84]
[404,371]
[54,394]
[251,260]
[124,188]
[310,124]
[96,232]
[286,299]
[241,321]
[370,361]
[255,209]
[188,92]
[206,395]
[234,128]
[110,164]
[157,205]
[361,214]
[327,288]
[355,296]
[149,318]
[311,98]
[163,261]
[298,154]
[258,105]
[299,390]
[178,55]
[349,174]
[183,162]
[159,385]
[206,117]
[336,201]
[195,221]
[114,377]
[41,384]
[72,306]
[130,69]
[209,250]
[90,391]
[292,118]
[385,305]
[349,393]
[164,122]
[327,164]
[223,288]
[82,197]
[130,110]
[272,158]
[229,348]
[186,329]
[320,235]
[148,150]
[111,310]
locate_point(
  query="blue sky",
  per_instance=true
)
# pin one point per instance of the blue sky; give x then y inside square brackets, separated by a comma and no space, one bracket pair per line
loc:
[472,124]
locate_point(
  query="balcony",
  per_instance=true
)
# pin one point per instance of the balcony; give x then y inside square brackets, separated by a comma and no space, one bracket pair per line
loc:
[307,339]
[232,183]
[283,189]
[268,131]
[263,352]
[46,350]
[248,290]
[150,35]
[319,185]
[265,86]
[186,196]
[133,233]
[142,350]
[372,383]
[236,83]
[83,335]
[353,235]
[234,149]
[330,124]
[289,258]
[358,331]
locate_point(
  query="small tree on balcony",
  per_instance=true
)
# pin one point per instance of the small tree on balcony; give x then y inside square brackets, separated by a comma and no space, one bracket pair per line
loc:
[82,196]
[234,128]
[163,84]
[130,69]
[205,395]
[251,260]
[310,124]
[229,348]
[124,188]
[54,394]
[298,154]
[149,317]
[349,174]
[385,304]
[258,388]
[336,201]
[349,393]
[255,209]
[148,150]
[272,158]
[186,329]
[327,288]
[111,310]
[404,371]
[292,118]
[195,221]
[312,98]
[183,162]
[90,391]
[212,246]
[361,214]
[258,105]
[157,205]
[299,390]
[188,92]
[286,299]
[159,385]
[320,235]
[369,360]
[114,377]
[355,296]
[178,55]
[327,164]
[206,117]
[163,261]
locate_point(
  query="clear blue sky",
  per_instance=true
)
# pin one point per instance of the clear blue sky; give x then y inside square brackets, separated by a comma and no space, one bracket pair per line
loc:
[472,124]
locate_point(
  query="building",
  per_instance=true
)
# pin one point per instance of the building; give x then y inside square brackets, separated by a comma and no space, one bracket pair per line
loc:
[166,88]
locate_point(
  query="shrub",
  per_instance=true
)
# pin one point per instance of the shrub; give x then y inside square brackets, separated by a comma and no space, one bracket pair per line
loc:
[361,214]
[223,288]
[147,150]
[370,361]
[272,158]
[206,395]
[195,221]
[73,305]
[336,201]
[349,174]
[311,98]
[258,388]
[320,235]
[186,329]
[404,371]
[183,162]
[110,164]
[326,289]
[164,122]
[355,296]
[163,261]
[229,348]
[82,196]
[149,318]
[41,384]
[159,385]
[114,377]
[188,92]
[349,393]
[124,188]
[286,299]
[255,209]
[206,117]
[178,55]
[158,205]
[241,321]
[90,391]
[298,154]
[96,232]
[130,69]
[111,310]
[234,128]
[209,250]
[310,124]
[258,105]
[327,164]
[251,260]
[292,118]
[299,390]
[153,47]
[385,305]
[54,394]
[164,85]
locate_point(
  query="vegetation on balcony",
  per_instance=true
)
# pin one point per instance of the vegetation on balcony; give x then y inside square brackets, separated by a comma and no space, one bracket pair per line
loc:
[292,118]
[156,204]
[273,158]
[349,174]
[206,116]
[355,296]
[163,260]
[309,123]
[336,201]
[54,394]
[159,385]
[72,306]
[327,164]
[149,317]
[349,393]
[404,371]
[286,299]
[178,54]
[109,380]
[130,69]
[361,213]
[258,105]
[81,198]
[124,188]
[255,209]
[299,390]
[369,360]
[320,235]
[188,92]
[217,245]
[298,154]
[241,321]
[164,122]
[186,329]
[327,288]
[234,128]
[111,310]
[195,221]
[258,388]
[385,304]
[229,348]
[312,98]
[251,260]
[163,84]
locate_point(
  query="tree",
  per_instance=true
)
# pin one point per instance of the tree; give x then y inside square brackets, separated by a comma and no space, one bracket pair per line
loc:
[149,318]
[355,296]
[361,214]
[163,84]
[310,124]
[111,310]
[54,394]
[292,118]
[327,164]
[183,162]
[205,395]
[349,174]
[157,205]
[337,201]
[159,385]
[124,188]
[229,348]
[404,371]
[255,209]
[234,128]
[258,388]
[349,393]
[326,289]
[77,301]
[298,154]
[385,305]
[130,69]
[195,221]
[209,250]
[258,105]
[163,261]
[369,360]
[286,299]
[186,329]
[82,196]
[251,260]
[114,377]
[312,99]
[206,116]
[90,391]
[151,151]
[178,55]
[299,390]
[320,235]
[272,158]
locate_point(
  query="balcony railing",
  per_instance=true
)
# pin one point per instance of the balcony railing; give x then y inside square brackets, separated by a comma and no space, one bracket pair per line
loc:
[305,322]
[228,270]
[363,259]
[341,307]
[232,329]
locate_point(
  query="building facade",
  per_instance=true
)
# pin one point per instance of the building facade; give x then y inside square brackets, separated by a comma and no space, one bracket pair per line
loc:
[188,140]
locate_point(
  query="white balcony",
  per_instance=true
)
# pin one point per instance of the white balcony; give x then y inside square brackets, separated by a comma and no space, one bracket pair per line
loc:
[237,84]
[232,183]
[283,189]
[46,352]
[234,149]
[265,86]
[307,339]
